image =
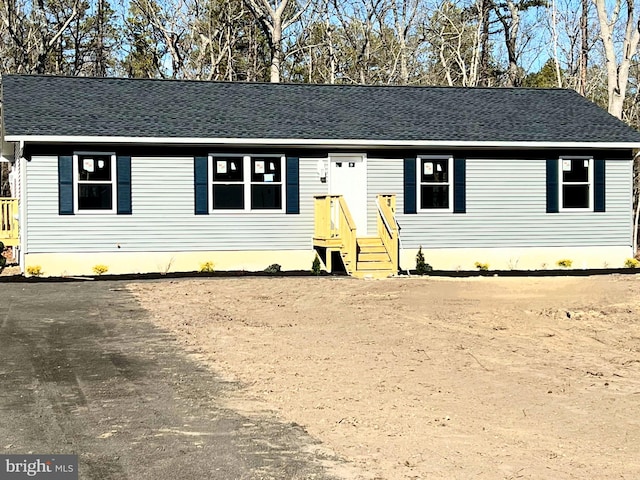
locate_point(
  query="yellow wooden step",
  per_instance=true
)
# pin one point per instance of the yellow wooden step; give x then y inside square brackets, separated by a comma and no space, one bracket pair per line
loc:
[373,256]
[362,241]
[380,265]
[372,249]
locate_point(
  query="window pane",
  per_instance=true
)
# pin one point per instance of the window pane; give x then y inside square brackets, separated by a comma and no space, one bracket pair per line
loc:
[228,169]
[266,169]
[575,196]
[94,167]
[228,197]
[266,197]
[435,170]
[434,196]
[575,170]
[94,197]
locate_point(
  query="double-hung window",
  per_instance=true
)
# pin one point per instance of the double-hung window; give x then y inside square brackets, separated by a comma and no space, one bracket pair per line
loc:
[228,183]
[244,182]
[435,189]
[576,183]
[266,183]
[94,176]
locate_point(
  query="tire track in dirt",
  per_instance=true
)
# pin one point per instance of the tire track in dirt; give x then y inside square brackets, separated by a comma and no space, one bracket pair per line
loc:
[82,371]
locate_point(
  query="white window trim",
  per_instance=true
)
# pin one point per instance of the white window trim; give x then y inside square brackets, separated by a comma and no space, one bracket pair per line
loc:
[246,182]
[419,183]
[590,183]
[77,182]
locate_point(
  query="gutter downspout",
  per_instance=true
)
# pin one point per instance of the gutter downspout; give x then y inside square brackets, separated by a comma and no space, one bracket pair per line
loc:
[22,221]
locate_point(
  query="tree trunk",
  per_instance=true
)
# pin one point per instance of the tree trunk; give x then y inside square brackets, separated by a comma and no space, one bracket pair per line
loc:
[554,35]
[100,67]
[617,70]
[276,49]
[584,48]
[483,70]
[511,38]
[332,54]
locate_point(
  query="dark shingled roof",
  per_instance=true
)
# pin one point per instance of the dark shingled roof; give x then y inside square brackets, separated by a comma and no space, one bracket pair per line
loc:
[95,107]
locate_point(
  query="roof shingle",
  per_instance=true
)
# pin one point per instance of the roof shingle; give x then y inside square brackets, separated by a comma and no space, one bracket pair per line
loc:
[98,107]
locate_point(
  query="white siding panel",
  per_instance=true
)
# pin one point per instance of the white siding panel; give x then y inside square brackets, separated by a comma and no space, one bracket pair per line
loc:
[384,176]
[506,207]
[163,215]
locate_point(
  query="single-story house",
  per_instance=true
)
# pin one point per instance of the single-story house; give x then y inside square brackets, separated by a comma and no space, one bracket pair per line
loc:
[166,175]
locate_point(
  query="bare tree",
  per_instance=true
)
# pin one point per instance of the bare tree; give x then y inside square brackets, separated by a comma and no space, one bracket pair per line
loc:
[454,33]
[274,21]
[618,62]
[32,32]
[405,13]
[509,16]
[367,45]
[169,24]
[584,46]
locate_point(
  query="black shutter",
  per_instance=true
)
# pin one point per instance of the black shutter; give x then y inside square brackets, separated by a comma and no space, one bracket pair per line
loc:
[293,185]
[201,179]
[65,185]
[410,196]
[459,185]
[599,186]
[552,186]
[123,175]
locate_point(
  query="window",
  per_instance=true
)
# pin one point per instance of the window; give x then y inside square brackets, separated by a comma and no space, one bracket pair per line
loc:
[266,183]
[228,183]
[94,175]
[576,183]
[435,191]
[247,182]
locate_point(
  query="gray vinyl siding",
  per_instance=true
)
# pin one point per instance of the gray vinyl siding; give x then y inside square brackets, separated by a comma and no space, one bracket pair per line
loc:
[163,218]
[506,207]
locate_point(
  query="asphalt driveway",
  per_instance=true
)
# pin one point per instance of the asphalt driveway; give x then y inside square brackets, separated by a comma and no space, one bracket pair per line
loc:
[82,371]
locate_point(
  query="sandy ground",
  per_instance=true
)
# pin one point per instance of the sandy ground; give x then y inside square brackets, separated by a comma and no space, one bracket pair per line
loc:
[10,271]
[430,378]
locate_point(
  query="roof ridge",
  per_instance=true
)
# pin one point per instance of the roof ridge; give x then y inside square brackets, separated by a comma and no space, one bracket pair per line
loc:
[285,84]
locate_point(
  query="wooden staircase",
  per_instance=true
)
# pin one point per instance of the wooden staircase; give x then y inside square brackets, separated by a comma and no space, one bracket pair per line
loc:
[362,257]
[372,259]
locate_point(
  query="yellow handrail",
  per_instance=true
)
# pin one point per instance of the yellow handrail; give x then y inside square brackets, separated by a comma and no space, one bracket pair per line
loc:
[322,208]
[9,233]
[333,221]
[347,233]
[388,227]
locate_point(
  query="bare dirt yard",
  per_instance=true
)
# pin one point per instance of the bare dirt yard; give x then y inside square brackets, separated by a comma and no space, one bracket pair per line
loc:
[407,378]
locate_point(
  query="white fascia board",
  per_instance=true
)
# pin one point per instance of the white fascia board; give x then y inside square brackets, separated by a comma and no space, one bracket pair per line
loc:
[283,142]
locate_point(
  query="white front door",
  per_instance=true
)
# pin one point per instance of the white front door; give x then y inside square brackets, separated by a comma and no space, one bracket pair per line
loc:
[348,177]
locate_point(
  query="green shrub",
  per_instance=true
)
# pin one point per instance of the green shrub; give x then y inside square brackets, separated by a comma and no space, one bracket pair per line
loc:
[3,259]
[483,267]
[422,267]
[632,263]
[273,268]
[207,267]
[564,263]
[316,267]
